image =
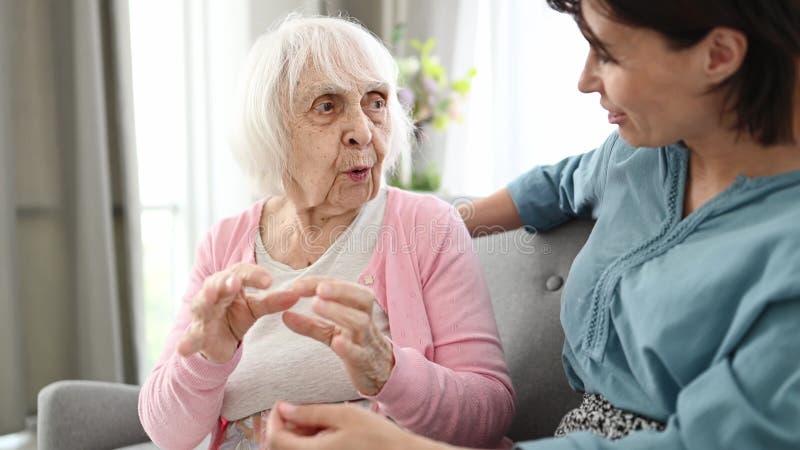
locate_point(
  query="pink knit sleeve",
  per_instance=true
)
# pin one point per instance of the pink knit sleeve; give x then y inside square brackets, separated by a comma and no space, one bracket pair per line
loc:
[181,400]
[463,395]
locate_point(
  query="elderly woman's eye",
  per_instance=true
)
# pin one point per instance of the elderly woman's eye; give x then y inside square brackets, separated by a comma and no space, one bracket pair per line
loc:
[324,107]
[377,103]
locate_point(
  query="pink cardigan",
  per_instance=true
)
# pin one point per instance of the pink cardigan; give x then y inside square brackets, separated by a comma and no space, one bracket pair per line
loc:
[450,381]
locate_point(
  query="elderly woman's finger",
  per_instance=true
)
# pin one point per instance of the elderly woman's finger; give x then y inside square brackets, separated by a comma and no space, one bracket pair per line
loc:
[307,286]
[253,275]
[192,341]
[324,332]
[220,287]
[346,293]
[315,328]
[205,301]
[356,321]
[271,303]
[217,292]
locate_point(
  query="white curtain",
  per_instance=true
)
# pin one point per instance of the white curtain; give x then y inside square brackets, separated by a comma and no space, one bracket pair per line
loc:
[524,108]
[66,229]
[187,57]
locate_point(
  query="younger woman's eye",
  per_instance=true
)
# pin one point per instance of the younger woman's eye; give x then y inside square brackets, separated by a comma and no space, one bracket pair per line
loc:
[324,107]
[603,58]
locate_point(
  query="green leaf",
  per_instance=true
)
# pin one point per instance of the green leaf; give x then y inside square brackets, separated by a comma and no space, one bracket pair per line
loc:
[427,180]
[440,122]
[434,71]
[461,86]
[427,47]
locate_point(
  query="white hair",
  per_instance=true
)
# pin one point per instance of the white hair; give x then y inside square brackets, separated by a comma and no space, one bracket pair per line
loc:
[341,50]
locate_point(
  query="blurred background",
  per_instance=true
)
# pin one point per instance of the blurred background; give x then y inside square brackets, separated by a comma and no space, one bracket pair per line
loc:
[114,158]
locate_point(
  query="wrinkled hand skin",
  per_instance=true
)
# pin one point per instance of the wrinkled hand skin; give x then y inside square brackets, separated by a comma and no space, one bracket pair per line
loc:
[345,325]
[222,312]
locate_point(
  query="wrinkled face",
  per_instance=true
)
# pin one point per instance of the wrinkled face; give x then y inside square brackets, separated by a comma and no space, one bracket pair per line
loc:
[656,95]
[339,136]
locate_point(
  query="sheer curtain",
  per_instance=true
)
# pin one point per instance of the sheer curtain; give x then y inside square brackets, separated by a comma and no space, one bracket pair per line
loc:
[66,234]
[524,108]
[186,57]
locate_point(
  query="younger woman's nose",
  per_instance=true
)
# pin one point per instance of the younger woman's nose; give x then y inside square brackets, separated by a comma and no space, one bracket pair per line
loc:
[589,81]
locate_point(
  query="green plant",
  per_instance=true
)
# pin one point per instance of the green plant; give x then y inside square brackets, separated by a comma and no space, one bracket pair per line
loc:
[432,98]
[426,89]
[427,180]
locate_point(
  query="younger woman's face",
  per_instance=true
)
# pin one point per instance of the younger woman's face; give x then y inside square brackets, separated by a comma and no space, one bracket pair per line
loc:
[656,95]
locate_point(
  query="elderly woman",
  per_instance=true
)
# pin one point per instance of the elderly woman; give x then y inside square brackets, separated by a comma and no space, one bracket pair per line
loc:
[681,313]
[398,311]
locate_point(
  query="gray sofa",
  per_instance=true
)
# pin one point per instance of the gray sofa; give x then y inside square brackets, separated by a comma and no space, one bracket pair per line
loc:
[525,274]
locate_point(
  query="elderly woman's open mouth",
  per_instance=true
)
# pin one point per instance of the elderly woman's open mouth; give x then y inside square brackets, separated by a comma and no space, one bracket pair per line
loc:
[359,173]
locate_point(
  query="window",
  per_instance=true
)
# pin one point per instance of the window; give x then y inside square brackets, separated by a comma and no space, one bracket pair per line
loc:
[524,108]
[187,178]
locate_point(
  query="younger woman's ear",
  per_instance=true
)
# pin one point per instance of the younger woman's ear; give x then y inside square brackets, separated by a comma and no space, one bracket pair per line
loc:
[724,52]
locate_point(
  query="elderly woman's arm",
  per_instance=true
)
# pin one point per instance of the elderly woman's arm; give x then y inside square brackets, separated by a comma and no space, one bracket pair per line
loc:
[751,399]
[180,401]
[464,394]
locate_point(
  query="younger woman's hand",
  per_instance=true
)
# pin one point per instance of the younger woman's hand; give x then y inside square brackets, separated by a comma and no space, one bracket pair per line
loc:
[338,427]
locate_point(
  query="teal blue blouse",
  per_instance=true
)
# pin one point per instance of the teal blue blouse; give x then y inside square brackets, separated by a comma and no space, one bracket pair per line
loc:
[691,321]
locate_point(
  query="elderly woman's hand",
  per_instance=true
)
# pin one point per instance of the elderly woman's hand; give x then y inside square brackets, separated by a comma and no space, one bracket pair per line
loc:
[333,427]
[222,312]
[347,328]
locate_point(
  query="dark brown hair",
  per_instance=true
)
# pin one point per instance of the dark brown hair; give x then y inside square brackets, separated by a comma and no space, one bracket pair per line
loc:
[762,90]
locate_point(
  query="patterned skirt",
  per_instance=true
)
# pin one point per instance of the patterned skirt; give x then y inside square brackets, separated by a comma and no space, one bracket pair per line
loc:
[597,415]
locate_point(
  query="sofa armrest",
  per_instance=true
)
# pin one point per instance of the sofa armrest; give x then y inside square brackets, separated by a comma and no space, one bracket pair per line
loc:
[85,415]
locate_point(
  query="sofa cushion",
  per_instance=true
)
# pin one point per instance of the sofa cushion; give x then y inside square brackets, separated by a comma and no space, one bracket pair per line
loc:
[525,273]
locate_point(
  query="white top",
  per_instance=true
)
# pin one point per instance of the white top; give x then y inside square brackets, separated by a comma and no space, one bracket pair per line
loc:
[278,364]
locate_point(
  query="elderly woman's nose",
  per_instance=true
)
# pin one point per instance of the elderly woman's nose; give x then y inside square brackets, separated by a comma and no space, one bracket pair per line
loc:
[358,130]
